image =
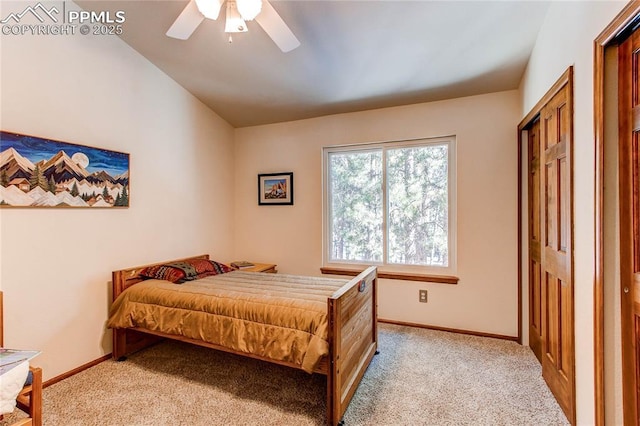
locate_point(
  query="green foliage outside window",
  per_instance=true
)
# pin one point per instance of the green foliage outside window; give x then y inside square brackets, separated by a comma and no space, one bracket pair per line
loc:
[418,205]
[407,185]
[356,206]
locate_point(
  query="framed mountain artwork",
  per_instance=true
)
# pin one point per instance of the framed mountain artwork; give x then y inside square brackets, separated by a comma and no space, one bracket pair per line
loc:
[38,172]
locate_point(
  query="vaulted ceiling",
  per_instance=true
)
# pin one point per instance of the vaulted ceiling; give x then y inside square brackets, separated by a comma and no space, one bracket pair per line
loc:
[354,55]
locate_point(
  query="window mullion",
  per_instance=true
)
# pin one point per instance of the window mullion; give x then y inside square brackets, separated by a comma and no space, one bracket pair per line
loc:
[385,208]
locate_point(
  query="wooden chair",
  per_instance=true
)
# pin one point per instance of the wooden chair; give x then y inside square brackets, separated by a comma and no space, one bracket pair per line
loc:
[29,399]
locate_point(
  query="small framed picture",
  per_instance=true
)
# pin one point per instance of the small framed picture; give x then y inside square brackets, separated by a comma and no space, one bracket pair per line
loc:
[275,189]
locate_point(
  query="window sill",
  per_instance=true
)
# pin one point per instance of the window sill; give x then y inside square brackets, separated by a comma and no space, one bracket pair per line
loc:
[440,279]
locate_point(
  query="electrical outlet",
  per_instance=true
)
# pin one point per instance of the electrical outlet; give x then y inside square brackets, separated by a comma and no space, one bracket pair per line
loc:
[423,296]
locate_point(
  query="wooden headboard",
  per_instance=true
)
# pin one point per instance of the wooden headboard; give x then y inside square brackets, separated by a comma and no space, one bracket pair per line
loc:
[125,278]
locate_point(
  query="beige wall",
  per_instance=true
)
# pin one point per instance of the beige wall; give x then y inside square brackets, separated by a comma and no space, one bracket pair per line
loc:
[485,299]
[567,38]
[56,263]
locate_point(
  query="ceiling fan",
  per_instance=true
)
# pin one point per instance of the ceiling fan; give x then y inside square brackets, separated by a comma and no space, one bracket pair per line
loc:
[238,11]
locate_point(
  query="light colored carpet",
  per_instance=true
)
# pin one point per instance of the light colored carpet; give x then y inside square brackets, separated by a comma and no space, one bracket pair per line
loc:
[421,377]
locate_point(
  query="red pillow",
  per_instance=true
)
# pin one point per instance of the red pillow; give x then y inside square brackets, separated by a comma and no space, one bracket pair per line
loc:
[186,270]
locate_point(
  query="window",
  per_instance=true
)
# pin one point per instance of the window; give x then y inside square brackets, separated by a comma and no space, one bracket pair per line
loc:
[391,204]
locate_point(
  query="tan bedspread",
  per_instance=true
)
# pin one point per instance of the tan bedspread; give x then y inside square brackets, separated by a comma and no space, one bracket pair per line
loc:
[277,316]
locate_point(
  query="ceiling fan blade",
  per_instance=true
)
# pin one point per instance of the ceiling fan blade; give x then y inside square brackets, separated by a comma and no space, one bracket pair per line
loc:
[187,22]
[273,25]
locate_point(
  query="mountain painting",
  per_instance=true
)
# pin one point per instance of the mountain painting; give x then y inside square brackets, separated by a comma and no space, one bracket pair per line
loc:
[36,172]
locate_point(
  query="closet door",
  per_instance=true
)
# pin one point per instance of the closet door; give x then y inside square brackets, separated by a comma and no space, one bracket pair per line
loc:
[629,175]
[535,267]
[556,251]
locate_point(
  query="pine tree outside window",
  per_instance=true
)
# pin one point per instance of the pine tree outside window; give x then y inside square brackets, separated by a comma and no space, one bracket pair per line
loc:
[391,204]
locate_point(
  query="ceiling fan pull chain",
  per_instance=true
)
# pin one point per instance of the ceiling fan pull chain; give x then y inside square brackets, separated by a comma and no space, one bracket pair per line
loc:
[230,39]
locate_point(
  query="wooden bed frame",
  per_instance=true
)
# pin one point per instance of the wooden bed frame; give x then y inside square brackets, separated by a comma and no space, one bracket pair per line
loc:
[352,336]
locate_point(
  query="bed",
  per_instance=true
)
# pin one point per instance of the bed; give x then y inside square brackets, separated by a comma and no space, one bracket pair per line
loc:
[338,319]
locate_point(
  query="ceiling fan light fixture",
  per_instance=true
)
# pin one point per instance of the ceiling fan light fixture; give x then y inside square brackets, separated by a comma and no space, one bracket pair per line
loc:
[265,15]
[234,23]
[209,8]
[249,9]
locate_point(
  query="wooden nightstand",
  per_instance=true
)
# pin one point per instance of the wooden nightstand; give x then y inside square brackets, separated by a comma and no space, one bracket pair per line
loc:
[269,268]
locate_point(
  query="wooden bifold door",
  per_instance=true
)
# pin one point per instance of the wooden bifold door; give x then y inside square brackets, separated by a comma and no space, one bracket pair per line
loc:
[550,245]
[556,274]
[629,186]
[535,278]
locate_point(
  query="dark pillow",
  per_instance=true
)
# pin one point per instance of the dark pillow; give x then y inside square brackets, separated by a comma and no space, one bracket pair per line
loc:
[187,270]
[163,272]
[220,268]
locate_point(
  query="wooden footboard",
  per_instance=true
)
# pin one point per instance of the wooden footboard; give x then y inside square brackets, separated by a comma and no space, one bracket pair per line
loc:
[353,340]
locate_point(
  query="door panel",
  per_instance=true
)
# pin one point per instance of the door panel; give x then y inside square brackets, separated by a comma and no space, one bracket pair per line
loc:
[629,173]
[563,221]
[558,357]
[535,276]
[551,321]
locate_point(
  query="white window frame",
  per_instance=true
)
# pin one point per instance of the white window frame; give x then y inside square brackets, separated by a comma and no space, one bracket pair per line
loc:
[383,266]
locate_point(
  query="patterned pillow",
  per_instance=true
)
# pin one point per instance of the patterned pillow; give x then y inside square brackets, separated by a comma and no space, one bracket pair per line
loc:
[220,268]
[188,270]
[163,272]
